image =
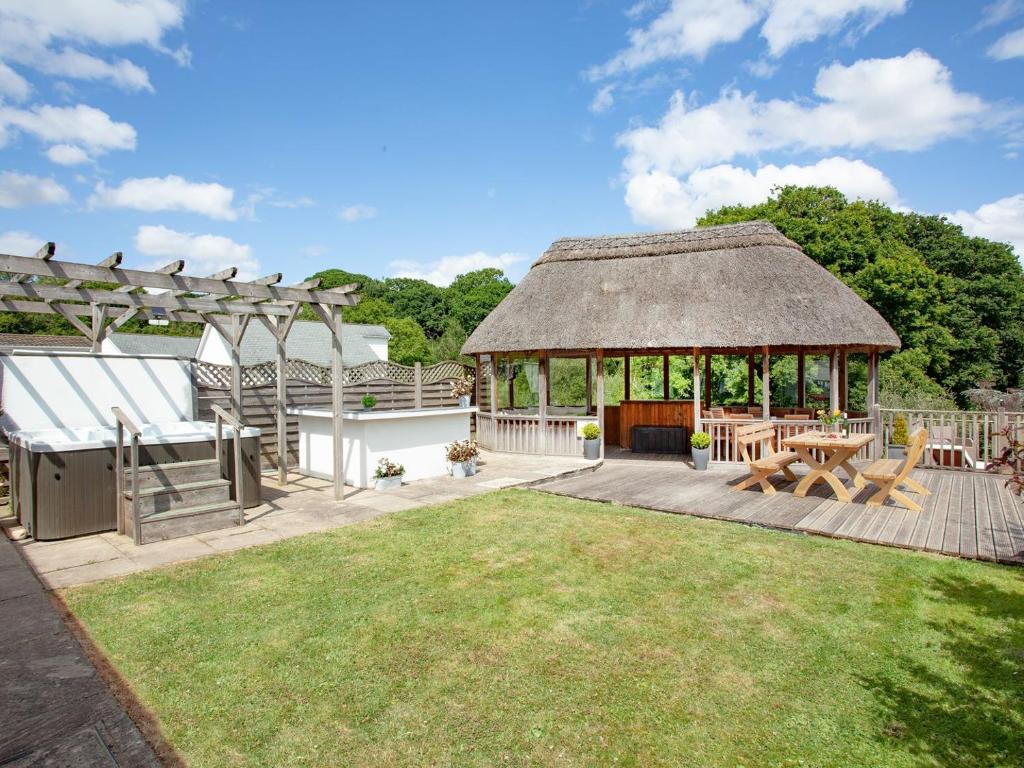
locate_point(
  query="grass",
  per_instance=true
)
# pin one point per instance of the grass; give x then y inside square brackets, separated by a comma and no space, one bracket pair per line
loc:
[517,628]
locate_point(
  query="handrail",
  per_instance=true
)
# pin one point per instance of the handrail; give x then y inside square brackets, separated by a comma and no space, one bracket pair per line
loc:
[221,415]
[123,423]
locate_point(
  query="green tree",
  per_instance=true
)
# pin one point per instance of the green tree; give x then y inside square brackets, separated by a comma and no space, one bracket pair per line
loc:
[418,300]
[473,295]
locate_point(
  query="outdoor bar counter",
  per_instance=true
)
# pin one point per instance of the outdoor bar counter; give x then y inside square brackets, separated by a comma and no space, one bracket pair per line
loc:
[415,438]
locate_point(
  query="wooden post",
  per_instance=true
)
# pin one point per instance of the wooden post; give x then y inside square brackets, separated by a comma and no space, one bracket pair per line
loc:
[590,384]
[99,317]
[417,384]
[478,387]
[542,394]
[281,348]
[844,381]
[801,379]
[833,379]
[511,384]
[492,384]
[750,380]
[707,379]
[874,409]
[236,367]
[766,387]
[664,377]
[600,396]
[696,390]
[338,402]
[625,377]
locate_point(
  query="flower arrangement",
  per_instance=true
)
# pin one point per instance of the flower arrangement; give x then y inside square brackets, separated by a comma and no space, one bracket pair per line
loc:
[1011,459]
[369,401]
[700,440]
[463,387]
[462,451]
[388,468]
[829,418]
[591,431]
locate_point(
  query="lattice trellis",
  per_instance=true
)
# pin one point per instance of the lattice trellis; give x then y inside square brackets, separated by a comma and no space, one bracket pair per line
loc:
[265,374]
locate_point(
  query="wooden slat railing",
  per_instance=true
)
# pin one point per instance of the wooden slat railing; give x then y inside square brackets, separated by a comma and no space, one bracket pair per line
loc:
[965,440]
[723,434]
[523,433]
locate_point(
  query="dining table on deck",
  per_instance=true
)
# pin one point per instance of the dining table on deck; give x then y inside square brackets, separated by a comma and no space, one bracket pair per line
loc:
[838,452]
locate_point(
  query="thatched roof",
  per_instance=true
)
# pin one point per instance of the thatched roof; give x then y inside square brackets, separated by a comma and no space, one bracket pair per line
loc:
[737,286]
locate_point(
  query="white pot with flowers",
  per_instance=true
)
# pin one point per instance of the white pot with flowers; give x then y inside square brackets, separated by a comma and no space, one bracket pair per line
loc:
[463,389]
[462,457]
[388,475]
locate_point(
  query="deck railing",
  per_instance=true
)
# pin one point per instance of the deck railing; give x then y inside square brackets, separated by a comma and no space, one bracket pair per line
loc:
[523,433]
[966,440]
[723,434]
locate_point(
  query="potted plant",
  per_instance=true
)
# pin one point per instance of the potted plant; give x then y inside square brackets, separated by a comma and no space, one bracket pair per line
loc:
[898,439]
[388,475]
[591,441]
[463,389]
[700,449]
[828,419]
[368,402]
[462,457]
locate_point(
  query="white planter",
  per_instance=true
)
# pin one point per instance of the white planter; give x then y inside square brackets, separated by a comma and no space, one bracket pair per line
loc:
[592,449]
[464,401]
[387,483]
[462,469]
[700,457]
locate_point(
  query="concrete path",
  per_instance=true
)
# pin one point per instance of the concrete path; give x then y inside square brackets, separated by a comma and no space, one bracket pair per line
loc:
[55,711]
[305,505]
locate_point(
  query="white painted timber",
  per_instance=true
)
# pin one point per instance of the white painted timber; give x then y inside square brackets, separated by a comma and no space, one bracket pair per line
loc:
[415,438]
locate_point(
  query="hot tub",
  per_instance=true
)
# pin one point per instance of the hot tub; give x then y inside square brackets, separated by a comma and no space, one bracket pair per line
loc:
[63,480]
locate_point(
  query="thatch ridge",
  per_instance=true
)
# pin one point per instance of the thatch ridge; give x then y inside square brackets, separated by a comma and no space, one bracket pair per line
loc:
[735,286]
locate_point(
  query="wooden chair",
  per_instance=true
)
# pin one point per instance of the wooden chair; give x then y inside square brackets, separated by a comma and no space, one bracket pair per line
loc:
[890,474]
[770,461]
[738,416]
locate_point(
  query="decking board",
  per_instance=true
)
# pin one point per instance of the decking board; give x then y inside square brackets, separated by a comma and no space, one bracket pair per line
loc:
[967,514]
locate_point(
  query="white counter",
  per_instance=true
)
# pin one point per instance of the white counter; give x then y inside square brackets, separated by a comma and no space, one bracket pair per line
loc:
[415,438]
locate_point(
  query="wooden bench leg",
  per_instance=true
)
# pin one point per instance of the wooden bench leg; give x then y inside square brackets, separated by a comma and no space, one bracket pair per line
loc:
[755,478]
[788,473]
[905,500]
[915,486]
[878,499]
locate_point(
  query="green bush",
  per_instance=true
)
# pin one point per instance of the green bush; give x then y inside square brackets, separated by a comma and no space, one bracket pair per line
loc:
[700,440]
[369,401]
[591,431]
[899,431]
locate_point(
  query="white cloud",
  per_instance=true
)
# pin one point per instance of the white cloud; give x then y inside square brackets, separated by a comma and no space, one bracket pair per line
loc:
[18,190]
[80,125]
[297,202]
[30,30]
[663,200]
[315,251]
[12,85]
[171,193]
[67,154]
[693,27]
[1009,46]
[1002,221]
[903,103]
[16,242]
[357,212]
[203,254]
[443,271]
[603,100]
[996,13]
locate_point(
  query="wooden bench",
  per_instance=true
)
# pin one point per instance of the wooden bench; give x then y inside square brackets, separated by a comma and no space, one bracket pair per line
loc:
[890,474]
[769,462]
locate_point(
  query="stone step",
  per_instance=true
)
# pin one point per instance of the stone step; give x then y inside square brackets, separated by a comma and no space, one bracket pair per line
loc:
[186,521]
[168,498]
[169,473]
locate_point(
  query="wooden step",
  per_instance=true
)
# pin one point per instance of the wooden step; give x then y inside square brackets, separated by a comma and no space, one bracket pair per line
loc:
[168,498]
[185,521]
[169,473]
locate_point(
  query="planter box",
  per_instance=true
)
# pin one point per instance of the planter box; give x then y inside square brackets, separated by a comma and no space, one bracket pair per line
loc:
[387,483]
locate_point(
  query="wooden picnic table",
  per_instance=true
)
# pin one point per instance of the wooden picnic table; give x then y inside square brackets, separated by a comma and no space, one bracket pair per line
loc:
[837,450]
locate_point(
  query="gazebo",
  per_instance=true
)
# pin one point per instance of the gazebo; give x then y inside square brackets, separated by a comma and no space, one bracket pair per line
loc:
[735,290]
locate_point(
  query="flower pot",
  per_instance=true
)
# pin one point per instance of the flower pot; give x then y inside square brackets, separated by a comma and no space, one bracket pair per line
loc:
[387,483]
[462,469]
[592,449]
[896,452]
[472,466]
[465,400]
[700,457]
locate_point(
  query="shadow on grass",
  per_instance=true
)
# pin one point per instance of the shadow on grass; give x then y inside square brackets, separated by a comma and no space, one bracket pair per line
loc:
[965,707]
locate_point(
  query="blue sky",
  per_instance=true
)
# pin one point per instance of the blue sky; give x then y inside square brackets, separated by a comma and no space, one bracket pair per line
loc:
[432,138]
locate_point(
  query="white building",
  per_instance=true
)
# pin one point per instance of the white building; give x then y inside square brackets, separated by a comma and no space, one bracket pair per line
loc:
[307,340]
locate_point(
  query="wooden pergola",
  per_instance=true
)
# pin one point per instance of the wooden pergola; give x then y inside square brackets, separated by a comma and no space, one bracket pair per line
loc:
[41,284]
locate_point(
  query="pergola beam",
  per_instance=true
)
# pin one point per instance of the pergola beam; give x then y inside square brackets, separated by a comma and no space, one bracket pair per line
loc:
[45,254]
[133,278]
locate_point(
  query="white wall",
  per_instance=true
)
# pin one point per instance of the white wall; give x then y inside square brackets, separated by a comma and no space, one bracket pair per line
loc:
[379,347]
[213,348]
[45,391]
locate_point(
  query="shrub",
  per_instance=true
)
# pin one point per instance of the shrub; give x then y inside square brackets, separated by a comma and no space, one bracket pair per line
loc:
[388,468]
[899,431]
[369,401]
[700,440]
[591,431]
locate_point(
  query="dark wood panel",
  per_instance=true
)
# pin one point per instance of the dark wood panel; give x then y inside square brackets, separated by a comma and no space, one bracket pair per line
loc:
[658,413]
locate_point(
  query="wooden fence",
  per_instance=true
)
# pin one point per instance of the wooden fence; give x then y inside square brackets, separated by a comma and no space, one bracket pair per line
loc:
[966,440]
[309,386]
[724,448]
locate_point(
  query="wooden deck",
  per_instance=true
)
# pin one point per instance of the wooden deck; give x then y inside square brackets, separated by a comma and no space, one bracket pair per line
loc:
[968,514]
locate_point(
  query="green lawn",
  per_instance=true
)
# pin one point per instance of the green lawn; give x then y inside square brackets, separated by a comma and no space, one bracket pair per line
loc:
[517,628]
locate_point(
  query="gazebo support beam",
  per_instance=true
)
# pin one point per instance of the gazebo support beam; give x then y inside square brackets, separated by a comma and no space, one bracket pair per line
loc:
[844,381]
[696,390]
[542,395]
[590,384]
[833,379]
[707,379]
[492,384]
[665,390]
[766,388]
[801,379]
[599,363]
[625,377]
[750,380]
